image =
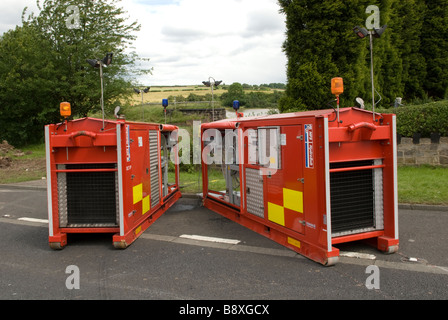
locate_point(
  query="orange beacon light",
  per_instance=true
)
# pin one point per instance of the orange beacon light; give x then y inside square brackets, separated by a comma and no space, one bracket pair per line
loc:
[65,109]
[337,86]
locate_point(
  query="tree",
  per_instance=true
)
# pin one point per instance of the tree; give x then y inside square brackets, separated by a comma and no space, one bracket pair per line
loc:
[410,59]
[28,90]
[388,62]
[434,48]
[234,92]
[408,21]
[263,100]
[49,64]
[321,45]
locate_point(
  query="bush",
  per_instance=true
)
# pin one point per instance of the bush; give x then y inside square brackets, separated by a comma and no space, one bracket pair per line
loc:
[424,119]
[263,100]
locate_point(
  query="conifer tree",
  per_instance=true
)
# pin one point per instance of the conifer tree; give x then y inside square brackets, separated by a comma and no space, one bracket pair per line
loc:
[387,60]
[321,45]
[408,20]
[434,48]
[410,58]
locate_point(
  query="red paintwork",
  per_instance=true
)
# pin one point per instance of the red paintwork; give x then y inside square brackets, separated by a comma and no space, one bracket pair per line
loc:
[83,141]
[357,137]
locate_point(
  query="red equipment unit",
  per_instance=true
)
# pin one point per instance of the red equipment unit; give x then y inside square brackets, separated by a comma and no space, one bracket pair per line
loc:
[307,180]
[107,177]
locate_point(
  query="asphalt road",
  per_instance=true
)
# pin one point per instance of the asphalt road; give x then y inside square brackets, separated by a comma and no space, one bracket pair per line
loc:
[166,264]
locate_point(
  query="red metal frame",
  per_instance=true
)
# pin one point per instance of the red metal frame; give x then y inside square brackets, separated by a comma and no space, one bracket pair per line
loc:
[304,208]
[90,141]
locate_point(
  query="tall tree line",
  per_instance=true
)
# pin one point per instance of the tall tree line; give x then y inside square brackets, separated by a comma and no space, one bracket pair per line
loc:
[410,58]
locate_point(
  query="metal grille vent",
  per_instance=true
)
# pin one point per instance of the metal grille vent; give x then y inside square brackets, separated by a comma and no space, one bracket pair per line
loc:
[154,165]
[356,197]
[254,192]
[88,199]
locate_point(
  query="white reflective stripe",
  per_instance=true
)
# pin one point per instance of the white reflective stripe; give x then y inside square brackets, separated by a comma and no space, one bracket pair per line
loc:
[120,179]
[394,142]
[327,183]
[159,163]
[49,197]
[240,155]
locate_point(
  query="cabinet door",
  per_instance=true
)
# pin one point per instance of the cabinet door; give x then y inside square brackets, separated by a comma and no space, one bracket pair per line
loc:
[284,183]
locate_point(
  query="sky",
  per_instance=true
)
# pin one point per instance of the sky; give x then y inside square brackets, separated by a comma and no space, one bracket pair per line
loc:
[190,41]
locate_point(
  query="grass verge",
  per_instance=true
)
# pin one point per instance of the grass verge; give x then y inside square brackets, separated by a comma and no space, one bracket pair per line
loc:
[423,185]
[26,164]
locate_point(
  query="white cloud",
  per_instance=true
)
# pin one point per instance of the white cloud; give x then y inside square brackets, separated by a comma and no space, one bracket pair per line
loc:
[191,40]
[11,12]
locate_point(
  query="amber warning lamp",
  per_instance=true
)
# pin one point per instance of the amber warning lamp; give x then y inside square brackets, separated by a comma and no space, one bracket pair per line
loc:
[65,109]
[337,88]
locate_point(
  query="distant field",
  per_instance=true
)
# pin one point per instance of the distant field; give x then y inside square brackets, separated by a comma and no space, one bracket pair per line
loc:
[156,94]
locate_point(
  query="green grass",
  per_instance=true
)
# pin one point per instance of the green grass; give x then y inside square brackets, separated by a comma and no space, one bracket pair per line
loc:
[27,152]
[423,185]
[36,151]
[191,182]
[26,167]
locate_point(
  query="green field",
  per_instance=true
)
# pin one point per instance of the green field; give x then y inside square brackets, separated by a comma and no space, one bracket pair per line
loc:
[156,94]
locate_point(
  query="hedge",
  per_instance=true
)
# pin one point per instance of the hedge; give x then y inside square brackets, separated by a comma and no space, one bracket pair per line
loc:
[424,119]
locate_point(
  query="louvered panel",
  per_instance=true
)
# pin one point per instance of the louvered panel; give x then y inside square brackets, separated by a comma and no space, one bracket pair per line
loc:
[154,168]
[87,199]
[254,192]
[356,198]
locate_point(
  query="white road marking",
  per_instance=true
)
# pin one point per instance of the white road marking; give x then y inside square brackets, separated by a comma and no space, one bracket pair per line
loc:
[33,220]
[210,239]
[358,255]
[442,268]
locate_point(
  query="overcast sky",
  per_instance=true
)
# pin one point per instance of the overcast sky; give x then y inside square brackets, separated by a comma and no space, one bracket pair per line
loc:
[189,41]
